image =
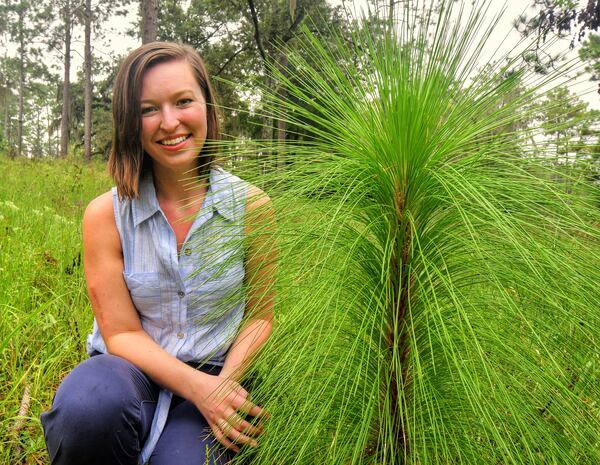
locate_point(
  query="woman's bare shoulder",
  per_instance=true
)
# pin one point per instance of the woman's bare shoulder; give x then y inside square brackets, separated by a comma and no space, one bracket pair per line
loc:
[99,218]
[260,212]
[256,199]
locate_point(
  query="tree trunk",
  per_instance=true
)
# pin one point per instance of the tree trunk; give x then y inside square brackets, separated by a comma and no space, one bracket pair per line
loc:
[66,104]
[21,81]
[149,20]
[38,135]
[11,147]
[281,124]
[6,115]
[264,159]
[49,129]
[87,137]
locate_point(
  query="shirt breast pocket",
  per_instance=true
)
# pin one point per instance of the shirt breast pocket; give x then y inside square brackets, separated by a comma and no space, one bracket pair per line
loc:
[217,293]
[146,295]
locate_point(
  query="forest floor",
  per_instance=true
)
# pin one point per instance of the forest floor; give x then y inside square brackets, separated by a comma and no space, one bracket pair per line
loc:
[44,309]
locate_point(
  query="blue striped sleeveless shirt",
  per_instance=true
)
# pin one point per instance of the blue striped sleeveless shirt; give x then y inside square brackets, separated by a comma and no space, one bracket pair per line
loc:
[190,303]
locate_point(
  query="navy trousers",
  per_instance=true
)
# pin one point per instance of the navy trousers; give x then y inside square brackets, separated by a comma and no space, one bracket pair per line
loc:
[102,413]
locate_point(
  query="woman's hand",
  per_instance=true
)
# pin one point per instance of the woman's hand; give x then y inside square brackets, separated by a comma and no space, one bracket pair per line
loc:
[224,403]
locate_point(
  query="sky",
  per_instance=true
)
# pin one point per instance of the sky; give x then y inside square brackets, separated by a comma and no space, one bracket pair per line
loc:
[504,41]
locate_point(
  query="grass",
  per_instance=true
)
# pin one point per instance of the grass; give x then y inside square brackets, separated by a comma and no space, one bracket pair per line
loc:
[45,313]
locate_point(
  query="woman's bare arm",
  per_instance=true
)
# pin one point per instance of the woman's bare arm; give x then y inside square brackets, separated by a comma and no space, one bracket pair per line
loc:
[119,323]
[260,267]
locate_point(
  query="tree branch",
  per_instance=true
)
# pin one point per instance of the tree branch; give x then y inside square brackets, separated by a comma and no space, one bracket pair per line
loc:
[257,38]
[230,59]
[206,39]
[290,32]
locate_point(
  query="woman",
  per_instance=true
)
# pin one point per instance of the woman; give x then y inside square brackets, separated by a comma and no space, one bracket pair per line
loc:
[169,254]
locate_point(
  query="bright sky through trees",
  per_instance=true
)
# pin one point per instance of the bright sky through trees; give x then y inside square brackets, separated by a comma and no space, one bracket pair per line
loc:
[504,41]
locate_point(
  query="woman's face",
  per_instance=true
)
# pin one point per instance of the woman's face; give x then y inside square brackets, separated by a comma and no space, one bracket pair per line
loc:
[173,116]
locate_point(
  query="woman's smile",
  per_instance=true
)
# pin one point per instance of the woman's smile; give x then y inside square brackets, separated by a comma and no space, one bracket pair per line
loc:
[174,142]
[173,110]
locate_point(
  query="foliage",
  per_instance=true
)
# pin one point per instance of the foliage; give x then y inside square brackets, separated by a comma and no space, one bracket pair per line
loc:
[225,36]
[563,118]
[44,310]
[437,286]
[563,17]
[590,52]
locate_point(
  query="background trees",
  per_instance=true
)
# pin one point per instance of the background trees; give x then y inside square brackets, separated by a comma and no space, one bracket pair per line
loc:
[241,41]
[20,23]
[425,214]
[224,33]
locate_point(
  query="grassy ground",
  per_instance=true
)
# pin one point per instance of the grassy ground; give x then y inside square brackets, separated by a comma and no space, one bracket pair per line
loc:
[45,313]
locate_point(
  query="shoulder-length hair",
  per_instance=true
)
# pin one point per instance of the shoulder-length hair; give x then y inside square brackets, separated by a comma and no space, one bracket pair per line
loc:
[128,160]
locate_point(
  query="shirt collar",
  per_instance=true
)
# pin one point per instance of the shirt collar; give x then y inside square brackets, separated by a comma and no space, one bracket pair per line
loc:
[219,197]
[220,194]
[146,204]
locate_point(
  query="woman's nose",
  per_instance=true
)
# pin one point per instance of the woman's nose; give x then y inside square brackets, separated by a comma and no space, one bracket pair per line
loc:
[169,120]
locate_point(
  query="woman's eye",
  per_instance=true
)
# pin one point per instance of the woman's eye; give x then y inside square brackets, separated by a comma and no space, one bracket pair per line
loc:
[147,110]
[185,101]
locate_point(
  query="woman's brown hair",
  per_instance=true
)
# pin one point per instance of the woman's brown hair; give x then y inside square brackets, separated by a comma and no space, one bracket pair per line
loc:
[127,159]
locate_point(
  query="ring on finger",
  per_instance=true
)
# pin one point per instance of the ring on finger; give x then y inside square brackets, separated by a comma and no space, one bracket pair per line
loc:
[224,426]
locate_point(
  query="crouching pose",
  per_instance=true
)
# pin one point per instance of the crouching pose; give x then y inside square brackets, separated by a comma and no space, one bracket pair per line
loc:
[179,276]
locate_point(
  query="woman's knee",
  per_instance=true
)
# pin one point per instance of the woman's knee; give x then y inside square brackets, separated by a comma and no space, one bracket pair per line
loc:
[99,389]
[99,403]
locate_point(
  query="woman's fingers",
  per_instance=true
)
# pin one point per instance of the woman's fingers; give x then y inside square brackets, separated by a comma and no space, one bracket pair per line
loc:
[243,426]
[226,408]
[220,436]
[251,409]
[235,435]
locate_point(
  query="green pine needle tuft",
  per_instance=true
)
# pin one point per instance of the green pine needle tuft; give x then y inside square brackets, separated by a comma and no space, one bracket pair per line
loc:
[437,291]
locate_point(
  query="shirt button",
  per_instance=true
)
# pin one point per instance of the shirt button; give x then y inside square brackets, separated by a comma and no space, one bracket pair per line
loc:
[180,335]
[188,251]
[180,293]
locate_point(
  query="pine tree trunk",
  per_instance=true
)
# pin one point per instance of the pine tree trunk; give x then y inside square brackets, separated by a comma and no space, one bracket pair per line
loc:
[266,135]
[281,124]
[49,130]
[149,20]
[21,82]
[88,83]
[38,135]
[5,130]
[396,338]
[66,104]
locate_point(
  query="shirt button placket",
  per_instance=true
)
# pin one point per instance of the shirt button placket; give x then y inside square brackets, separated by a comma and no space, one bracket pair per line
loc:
[180,334]
[181,309]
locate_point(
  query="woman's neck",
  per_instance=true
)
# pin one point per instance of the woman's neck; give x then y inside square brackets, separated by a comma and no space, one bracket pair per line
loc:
[180,196]
[178,186]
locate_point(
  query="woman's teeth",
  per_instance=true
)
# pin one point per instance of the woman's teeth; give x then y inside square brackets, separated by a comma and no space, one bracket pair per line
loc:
[173,141]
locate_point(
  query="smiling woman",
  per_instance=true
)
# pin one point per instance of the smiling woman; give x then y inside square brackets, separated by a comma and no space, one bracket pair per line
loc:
[179,284]
[173,116]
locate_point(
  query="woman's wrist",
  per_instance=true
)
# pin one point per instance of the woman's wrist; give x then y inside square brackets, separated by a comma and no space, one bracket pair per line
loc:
[228,374]
[200,385]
